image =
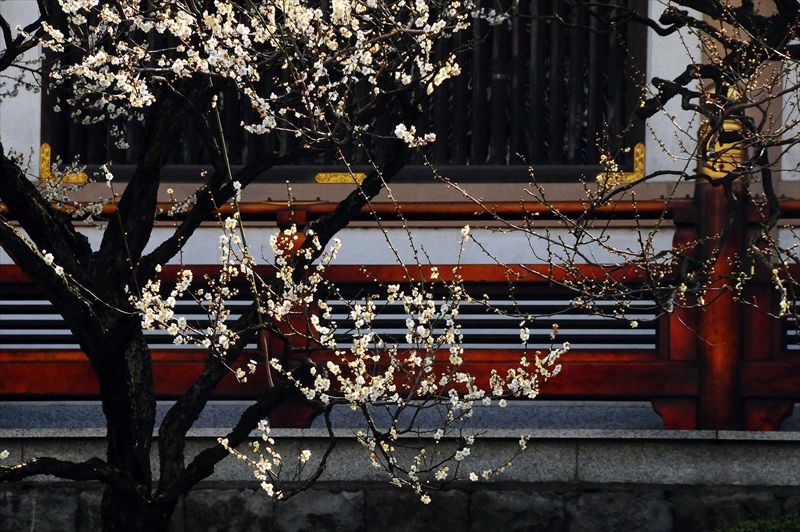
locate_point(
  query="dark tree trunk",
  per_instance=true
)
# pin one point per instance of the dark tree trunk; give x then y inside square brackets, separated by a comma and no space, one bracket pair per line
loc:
[129,405]
[123,513]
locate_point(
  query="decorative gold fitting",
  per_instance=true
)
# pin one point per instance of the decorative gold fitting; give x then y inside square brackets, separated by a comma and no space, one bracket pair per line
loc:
[46,175]
[729,154]
[627,177]
[339,178]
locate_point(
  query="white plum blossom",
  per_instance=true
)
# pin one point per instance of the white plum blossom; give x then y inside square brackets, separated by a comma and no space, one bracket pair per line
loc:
[326,54]
[322,55]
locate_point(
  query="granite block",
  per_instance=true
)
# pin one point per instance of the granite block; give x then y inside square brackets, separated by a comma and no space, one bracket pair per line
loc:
[515,511]
[524,415]
[542,461]
[89,518]
[38,509]
[321,511]
[400,510]
[664,462]
[791,506]
[228,510]
[618,510]
[792,422]
[698,511]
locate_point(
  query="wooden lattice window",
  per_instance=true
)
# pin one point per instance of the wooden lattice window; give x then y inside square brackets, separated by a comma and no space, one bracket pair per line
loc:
[550,88]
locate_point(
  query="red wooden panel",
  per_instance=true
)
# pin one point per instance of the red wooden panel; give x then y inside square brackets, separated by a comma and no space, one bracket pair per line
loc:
[682,334]
[623,380]
[677,413]
[766,414]
[758,324]
[470,273]
[57,378]
[69,373]
[771,379]
[650,209]
[432,210]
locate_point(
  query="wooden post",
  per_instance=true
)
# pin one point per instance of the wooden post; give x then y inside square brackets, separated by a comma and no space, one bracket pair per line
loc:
[294,411]
[719,334]
[677,331]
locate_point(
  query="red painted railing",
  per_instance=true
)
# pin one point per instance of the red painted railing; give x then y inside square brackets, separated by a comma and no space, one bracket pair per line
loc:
[723,366]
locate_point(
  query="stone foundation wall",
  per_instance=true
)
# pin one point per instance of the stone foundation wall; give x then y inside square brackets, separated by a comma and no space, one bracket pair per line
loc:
[567,481]
[346,507]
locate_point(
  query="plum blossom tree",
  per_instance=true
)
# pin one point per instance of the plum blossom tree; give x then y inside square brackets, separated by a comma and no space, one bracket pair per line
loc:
[327,74]
[739,95]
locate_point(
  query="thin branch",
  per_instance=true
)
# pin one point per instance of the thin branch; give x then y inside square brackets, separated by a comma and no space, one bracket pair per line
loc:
[92,469]
[203,464]
[182,415]
[77,310]
[129,231]
[47,227]
[210,197]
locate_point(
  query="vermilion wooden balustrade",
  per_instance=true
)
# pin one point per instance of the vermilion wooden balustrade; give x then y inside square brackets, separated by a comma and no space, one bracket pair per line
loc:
[271,211]
[749,382]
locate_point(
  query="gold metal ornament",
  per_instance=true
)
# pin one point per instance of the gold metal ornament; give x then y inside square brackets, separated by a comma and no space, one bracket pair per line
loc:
[46,175]
[339,178]
[627,177]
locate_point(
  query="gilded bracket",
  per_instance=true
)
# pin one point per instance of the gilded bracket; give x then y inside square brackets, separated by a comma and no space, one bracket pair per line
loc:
[627,177]
[46,175]
[339,178]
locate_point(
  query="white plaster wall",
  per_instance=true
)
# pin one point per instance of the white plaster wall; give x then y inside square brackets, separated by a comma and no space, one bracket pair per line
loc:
[790,163]
[369,245]
[20,116]
[676,129]
[789,237]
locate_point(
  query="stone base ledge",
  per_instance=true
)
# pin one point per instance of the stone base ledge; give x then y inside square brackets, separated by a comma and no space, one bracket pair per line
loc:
[712,458]
[75,507]
[486,434]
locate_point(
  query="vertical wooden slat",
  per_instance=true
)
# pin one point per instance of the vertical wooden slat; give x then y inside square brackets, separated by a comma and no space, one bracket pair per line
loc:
[556,88]
[479,141]
[95,144]
[459,148]
[614,108]
[517,143]
[115,155]
[499,96]
[260,145]
[55,126]
[192,149]
[76,141]
[364,94]
[174,154]
[422,123]
[441,111]
[635,74]
[575,139]
[536,91]
[594,92]
[230,124]
[135,134]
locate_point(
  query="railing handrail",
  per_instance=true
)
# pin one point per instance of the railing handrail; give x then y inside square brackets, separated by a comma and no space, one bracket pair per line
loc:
[271,211]
[433,210]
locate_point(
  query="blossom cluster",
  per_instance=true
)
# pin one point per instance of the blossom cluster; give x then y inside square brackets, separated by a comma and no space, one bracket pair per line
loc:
[367,368]
[268,462]
[364,367]
[158,311]
[318,63]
